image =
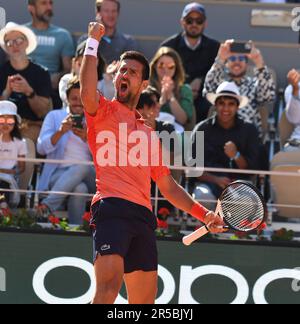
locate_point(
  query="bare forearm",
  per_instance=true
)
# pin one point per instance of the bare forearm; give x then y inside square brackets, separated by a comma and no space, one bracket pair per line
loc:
[242,163]
[11,172]
[40,106]
[178,197]
[89,80]
[178,112]
[56,138]
[208,177]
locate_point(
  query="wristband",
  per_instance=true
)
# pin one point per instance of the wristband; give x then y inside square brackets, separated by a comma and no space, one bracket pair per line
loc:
[91,47]
[199,212]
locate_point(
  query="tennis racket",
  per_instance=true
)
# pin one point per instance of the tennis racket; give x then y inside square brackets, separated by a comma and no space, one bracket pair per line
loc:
[242,208]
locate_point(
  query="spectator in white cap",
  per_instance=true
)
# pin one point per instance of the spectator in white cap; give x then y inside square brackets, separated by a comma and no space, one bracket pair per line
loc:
[26,84]
[12,147]
[197,51]
[229,142]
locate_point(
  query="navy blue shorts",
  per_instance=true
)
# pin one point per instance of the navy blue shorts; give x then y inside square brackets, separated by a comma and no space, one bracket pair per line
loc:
[126,229]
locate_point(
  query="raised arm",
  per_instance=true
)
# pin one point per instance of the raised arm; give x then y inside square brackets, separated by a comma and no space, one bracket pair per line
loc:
[88,73]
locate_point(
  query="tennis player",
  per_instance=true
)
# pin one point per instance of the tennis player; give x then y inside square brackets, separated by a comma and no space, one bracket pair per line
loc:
[123,223]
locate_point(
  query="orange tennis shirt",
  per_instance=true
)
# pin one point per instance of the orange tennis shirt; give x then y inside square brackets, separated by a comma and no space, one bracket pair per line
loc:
[126,153]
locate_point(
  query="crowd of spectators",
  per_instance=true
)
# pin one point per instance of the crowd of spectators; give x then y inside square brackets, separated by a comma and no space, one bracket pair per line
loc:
[196,84]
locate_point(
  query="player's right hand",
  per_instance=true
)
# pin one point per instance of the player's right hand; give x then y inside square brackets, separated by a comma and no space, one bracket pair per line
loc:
[96,31]
[214,223]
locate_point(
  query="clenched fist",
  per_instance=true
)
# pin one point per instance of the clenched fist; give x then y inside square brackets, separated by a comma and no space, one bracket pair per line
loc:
[96,31]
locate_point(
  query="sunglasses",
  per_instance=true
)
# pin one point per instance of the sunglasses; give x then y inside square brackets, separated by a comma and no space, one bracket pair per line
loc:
[238,58]
[7,121]
[164,66]
[18,42]
[197,21]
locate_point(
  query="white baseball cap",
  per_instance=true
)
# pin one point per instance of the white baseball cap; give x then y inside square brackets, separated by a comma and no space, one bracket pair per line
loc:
[27,32]
[10,109]
[228,89]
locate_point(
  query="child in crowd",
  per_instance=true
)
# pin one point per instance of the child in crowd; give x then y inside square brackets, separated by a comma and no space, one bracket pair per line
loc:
[12,147]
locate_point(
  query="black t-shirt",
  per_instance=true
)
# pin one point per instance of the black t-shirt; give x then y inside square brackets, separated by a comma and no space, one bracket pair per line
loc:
[37,77]
[3,57]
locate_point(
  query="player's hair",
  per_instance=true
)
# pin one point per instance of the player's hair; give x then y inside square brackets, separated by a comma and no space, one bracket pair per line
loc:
[139,57]
[74,83]
[99,4]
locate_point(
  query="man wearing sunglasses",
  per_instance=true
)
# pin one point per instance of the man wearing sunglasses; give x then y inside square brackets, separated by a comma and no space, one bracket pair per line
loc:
[259,89]
[197,51]
[23,82]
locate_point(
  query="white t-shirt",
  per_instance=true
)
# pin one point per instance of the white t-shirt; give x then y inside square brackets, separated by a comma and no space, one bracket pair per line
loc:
[11,150]
[76,150]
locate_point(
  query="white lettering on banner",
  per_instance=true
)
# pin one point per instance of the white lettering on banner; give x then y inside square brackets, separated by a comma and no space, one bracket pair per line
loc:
[41,273]
[2,280]
[264,281]
[2,18]
[188,275]
[46,40]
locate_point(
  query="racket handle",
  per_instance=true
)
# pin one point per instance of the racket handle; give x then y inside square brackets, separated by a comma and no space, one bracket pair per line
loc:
[189,239]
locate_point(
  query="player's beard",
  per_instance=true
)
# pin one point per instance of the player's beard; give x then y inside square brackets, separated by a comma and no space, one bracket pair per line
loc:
[124,99]
[127,99]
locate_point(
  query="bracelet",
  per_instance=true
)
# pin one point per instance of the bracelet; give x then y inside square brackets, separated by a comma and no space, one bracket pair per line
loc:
[91,47]
[198,211]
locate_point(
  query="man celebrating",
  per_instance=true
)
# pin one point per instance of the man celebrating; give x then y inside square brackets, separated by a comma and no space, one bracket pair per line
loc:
[123,223]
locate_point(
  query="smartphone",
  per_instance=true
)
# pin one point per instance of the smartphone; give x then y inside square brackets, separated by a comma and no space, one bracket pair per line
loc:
[241,47]
[78,121]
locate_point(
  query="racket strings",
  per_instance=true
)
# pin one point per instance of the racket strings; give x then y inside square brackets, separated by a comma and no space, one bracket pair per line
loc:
[242,208]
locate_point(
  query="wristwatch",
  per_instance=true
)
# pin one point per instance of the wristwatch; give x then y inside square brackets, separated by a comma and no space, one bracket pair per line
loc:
[32,95]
